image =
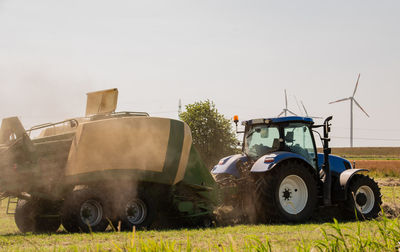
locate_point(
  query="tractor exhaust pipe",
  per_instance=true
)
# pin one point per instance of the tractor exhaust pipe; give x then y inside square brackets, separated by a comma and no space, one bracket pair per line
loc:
[327,185]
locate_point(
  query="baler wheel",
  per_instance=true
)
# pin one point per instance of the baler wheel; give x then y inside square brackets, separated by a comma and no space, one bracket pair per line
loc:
[138,211]
[287,193]
[24,216]
[30,216]
[365,196]
[85,210]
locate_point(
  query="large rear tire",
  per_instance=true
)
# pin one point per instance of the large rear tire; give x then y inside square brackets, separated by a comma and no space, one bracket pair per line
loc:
[36,216]
[85,210]
[287,193]
[364,196]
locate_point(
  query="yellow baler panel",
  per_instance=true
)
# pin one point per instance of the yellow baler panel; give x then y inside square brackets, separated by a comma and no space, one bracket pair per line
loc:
[138,143]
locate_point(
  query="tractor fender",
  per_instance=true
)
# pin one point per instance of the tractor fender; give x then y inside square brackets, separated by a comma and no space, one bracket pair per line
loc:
[345,178]
[227,165]
[269,161]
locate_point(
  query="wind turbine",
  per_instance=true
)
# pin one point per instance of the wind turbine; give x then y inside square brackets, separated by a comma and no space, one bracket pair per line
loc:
[305,111]
[352,99]
[286,110]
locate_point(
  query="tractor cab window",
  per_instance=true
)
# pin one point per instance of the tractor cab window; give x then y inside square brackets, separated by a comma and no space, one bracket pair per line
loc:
[260,140]
[298,139]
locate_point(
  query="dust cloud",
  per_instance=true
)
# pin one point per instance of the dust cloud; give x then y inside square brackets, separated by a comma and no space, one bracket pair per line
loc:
[112,156]
[37,96]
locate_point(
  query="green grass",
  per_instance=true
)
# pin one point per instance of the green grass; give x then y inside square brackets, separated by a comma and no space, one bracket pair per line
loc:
[391,194]
[280,237]
[326,236]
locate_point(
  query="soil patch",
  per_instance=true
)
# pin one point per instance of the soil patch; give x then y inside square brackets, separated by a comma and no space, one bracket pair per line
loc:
[388,181]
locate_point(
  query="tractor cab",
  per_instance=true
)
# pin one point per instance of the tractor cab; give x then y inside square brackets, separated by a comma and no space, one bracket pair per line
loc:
[290,134]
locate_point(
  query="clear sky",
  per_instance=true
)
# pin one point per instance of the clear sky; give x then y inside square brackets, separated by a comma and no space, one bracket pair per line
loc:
[239,54]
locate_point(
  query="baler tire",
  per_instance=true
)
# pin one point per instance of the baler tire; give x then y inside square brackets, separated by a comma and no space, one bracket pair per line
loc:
[68,220]
[367,186]
[24,216]
[268,203]
[28,217]
[76,205]
[47,225]
[141,202]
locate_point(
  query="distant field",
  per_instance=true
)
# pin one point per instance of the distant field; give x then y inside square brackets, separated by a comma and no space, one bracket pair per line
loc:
[380,161]
[380,168]
[368,152]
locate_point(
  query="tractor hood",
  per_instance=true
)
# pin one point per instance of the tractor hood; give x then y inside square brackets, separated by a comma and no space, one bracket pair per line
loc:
[227,165]
[337,164]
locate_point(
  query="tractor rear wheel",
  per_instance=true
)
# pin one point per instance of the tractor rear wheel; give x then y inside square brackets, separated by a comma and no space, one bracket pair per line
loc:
[287,193]
[363,195]
[85,210]
[36,216]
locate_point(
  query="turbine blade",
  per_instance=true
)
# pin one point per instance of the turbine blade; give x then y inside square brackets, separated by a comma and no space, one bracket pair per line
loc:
[305,110]
[297,102]
[360,106]
[291,112]
[285,100]
[344,99]
[355,89]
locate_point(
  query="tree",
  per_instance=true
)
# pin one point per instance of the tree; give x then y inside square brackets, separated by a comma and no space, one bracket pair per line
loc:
[212,133]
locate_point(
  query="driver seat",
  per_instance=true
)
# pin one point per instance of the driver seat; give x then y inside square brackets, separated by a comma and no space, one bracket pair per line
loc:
[275,144]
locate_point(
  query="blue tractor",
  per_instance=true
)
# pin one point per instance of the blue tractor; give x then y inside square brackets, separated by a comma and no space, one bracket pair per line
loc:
[279,176]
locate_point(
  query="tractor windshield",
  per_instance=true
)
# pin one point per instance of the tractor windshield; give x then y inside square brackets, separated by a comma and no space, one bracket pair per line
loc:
[298,139]
[260,140]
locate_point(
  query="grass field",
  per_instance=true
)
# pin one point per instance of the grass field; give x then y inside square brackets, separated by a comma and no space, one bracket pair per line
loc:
[243,237]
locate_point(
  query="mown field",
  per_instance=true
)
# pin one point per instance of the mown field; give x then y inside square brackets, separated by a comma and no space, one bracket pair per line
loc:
[382,234]
[380,161]
[375,153]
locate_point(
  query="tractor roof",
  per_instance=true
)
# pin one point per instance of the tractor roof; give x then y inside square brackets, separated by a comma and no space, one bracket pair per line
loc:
[285,119]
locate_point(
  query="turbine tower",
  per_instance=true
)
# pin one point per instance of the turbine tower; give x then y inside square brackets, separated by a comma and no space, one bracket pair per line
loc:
[352,99]
[286,110]
[179,107]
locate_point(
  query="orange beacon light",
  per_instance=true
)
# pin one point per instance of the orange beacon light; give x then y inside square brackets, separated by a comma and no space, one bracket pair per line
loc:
[236,119]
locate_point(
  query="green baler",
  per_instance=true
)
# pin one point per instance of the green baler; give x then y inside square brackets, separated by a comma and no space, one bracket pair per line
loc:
[126,168]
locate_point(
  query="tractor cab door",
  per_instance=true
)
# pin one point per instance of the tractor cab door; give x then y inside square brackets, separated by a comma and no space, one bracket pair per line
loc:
[298,139]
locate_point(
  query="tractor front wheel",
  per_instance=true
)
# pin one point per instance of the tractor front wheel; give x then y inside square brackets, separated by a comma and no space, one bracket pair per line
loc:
[287,193]
[364,196]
